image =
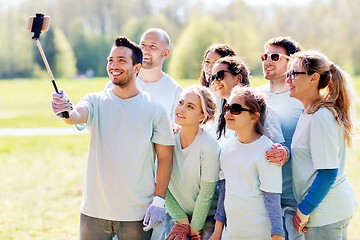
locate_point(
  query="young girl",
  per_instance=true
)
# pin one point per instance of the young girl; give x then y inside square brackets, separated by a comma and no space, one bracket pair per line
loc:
[196,167]
[326,199]
[253,186]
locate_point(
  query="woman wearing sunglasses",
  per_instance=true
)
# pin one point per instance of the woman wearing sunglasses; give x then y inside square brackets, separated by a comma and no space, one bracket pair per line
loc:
[211,55]
[253,186]
[227,73]
[196,167]
[326,199]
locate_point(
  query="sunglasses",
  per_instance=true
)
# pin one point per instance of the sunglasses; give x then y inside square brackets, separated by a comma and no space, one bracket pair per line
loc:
[235,109]
[274,57]
[292,74]
[219,76]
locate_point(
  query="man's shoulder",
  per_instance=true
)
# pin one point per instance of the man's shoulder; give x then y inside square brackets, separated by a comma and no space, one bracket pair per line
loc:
[264,88]
[169,80]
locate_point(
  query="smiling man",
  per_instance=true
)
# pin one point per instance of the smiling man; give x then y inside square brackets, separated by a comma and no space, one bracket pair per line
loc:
[127,128]
[155,44]
[275,60]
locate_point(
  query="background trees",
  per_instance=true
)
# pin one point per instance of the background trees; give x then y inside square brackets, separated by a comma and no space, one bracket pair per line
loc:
[81,32]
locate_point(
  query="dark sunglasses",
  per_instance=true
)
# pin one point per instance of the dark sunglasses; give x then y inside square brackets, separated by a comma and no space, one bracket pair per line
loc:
[274,57]
[235,109]
[219,76]
[291,74]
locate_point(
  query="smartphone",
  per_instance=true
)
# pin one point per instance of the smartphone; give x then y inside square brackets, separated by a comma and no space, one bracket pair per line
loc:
[38,23]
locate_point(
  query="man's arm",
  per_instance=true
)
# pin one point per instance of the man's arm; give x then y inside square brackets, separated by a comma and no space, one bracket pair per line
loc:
[78,115]
[165,162]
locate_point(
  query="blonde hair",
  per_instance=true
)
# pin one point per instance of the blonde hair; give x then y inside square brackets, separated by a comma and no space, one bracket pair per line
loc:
[336,88]
[207,101]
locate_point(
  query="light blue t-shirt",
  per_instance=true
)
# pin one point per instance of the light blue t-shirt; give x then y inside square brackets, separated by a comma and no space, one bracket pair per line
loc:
[166,90]
[198,162]
[248,175]
[318,143]
[119,182]
[288,110]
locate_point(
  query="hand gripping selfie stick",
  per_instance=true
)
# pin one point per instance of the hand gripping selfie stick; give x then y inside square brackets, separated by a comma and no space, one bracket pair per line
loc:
[36,25]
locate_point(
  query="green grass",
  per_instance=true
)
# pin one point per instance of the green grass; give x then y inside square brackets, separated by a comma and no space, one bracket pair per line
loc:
[42,176]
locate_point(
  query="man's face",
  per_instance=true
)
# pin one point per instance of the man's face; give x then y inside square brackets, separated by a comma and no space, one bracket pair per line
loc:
[155,50]
[275,70]
[120,66]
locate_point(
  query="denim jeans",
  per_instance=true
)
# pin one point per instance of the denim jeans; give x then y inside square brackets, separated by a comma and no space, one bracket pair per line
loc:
[288,212]
[100,229]
[332,231]
[161,231]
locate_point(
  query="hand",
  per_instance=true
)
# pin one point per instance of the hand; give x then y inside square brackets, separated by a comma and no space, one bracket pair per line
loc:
[277,237]
[179,232]
[215,236]
[196,235]
[175,127]
[61,103]
[155,214]
[300,220]
[277,155]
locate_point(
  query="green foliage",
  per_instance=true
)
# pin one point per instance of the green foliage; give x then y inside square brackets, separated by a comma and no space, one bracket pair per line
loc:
[59,54]
[187,55]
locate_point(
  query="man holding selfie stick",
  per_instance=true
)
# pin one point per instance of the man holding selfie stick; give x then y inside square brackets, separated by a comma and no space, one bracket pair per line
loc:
[127,128]
[275,60]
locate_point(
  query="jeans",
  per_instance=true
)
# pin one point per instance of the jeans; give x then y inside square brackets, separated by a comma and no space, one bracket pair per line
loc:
[332,231]
[288,212]
[163,230]
[100,229]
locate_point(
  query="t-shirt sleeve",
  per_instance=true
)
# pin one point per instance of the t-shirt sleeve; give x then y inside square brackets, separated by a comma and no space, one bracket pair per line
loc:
[162,131]
[89,101]
[272,126]
[210,163]
[270,177]
[325,140]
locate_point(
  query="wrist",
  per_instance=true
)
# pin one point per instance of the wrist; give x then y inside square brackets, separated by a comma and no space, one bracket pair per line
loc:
[158,201]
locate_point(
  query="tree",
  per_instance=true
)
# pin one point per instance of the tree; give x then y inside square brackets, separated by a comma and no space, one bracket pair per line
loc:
[187,55]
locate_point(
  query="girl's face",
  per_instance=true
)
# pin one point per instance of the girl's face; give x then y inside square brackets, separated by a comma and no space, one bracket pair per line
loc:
[299,83]
[210,59]
[223,88]
[244,120]
[188,111]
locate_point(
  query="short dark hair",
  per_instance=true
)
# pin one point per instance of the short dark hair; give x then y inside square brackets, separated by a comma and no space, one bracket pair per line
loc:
[289,44]
[137,55]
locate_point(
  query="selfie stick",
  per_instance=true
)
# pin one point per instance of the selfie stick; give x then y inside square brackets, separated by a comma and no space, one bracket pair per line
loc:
[36,24]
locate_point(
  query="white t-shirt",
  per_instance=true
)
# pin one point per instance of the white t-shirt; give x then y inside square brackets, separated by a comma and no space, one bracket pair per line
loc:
[288,110]
[318,143]
[198,162]
[119,182]
[247,175]
[166,90]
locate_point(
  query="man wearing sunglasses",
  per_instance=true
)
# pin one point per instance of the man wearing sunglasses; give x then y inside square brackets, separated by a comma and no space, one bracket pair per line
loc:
[275,60]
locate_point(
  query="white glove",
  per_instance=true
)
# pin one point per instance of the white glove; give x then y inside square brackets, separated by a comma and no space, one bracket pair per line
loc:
[155,214]
[61,103]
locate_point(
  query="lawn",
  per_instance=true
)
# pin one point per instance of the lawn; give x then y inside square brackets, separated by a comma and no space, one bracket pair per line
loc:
[42,176]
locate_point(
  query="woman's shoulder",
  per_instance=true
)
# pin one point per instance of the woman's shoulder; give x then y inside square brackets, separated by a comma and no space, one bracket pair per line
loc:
[208,140]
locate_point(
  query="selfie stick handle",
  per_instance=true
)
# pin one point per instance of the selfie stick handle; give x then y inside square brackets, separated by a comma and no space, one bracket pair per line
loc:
[65,114]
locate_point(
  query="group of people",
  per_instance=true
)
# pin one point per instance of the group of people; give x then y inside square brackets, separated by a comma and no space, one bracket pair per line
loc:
[218,160]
